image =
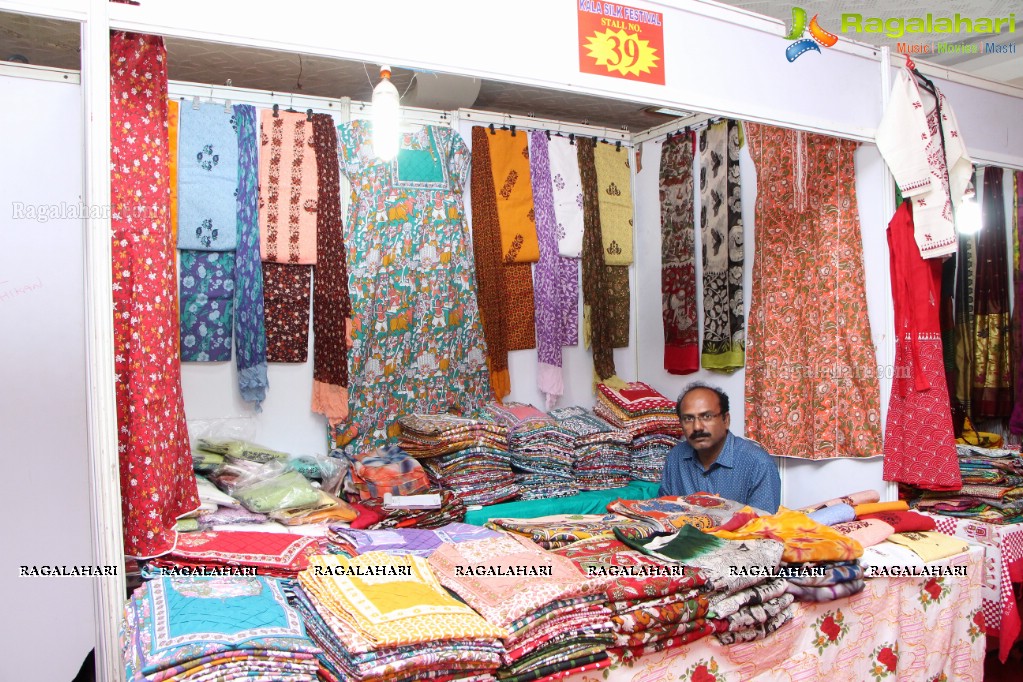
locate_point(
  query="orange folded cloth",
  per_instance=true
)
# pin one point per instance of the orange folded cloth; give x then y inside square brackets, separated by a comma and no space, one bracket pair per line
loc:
[875,507]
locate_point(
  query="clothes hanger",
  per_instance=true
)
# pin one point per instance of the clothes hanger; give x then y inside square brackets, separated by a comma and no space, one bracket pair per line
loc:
[927,84]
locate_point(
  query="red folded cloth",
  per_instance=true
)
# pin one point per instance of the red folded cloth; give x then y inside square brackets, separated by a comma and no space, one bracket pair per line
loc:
[903,521]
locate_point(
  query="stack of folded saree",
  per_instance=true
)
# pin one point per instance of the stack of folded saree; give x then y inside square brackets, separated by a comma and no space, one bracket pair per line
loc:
[649,417]
[992,489]
[466,456]
[276,554]
[215,628]
[558,530]
[602,457]
[541,450]
[553,614]
[382,617]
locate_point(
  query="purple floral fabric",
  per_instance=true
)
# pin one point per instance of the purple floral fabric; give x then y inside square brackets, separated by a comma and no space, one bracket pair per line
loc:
[555,278]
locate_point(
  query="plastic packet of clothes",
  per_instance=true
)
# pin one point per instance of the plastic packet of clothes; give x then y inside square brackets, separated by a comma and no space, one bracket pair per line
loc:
[236,474]
[235,448]
[288,490]
[323,469]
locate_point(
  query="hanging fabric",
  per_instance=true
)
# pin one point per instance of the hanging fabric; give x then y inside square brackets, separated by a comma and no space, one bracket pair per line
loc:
[490,272]
[250,325]
[596,295]
[992,365]
[207,179]
[509,158]
[678,256]
[157,483]
[811,379]
[919,444]
[332,306]
[418,342]
[721,230]
[614,194]
[556,277]
[919,138]
[287,188]
[1016,421]
[207,305]
[965,320]
[568,196]
[286,311]
[173,116]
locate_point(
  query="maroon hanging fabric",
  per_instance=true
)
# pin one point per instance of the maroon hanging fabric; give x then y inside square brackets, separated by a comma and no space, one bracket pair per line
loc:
[678,257]
[157,483]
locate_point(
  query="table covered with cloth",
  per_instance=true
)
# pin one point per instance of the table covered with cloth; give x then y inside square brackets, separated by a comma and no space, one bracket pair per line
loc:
[1003,549]
[900,628]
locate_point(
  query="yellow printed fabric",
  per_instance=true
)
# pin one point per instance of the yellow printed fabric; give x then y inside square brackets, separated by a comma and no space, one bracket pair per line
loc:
[804,538]
[930,545]
[509,163]
[391,600]
[172,165]
[614,196]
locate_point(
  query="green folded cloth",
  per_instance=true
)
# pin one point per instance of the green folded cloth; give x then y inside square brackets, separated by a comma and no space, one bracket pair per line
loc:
[589,502]
[186,525]
[287,491]
[240,449]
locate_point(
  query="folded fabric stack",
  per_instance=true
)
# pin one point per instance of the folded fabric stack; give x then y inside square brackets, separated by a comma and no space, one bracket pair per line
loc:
[992,489]
[804,539]
[656,603]
[383,617]
[602,456]
[206,628]
[823,580]
[541,450]
[649,417]
[558,530]
[552,612]
[414,541]
[467,456]
[388,469]
[373,515]
[276,554]
[747,605]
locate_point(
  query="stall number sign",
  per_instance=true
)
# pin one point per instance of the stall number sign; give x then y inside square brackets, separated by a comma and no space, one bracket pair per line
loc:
[621,41]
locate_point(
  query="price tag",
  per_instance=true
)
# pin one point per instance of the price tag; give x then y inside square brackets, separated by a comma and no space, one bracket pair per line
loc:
[621,41]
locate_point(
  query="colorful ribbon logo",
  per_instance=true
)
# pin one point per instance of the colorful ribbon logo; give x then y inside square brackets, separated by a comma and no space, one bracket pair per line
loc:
[804,45]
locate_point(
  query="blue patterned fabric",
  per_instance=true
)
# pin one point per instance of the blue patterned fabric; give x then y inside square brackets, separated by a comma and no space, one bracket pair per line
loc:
[207,179]
[207,302]
[249,332]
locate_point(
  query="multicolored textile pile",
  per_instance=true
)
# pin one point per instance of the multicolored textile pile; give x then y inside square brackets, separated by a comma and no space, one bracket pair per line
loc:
[992,489]
[649,417]
[275,554]
[602,457]
[413,541]
[541,450]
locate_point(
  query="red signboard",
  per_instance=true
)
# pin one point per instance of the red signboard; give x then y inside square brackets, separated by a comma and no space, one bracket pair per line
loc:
[621,41]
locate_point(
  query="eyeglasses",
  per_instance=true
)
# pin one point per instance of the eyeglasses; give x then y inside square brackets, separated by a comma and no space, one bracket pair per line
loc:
[706,417]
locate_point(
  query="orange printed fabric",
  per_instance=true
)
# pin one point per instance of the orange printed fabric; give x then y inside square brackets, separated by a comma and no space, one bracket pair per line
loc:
[875,507]
[804,538]
[287,188]
[509,159]
[172,165]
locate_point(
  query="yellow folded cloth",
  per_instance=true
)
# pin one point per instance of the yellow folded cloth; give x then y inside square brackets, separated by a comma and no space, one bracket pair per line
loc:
[930,545]
[875,507]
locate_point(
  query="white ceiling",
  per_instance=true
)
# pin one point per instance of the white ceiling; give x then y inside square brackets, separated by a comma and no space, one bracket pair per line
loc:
[55,43]
[1003,68]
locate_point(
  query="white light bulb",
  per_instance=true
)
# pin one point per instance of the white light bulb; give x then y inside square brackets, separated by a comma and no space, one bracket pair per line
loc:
[968,216]
[386,116]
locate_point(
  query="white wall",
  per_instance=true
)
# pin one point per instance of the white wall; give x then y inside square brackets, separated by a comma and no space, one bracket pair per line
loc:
[43,437]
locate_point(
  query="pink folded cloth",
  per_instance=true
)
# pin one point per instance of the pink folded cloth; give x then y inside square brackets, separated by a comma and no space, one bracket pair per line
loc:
[867,532]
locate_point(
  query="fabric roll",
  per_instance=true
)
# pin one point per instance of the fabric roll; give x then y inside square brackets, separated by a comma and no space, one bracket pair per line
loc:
[287,185]
[838,513]
[724,324]
[1016,421]
[568,196]
[904,521]
[332,305]
[157,484]
[614,193]
[875,507]
[207,305]
[490,273]
[860,497]
[509,167]
[286,311]
[207,178]
[555,283]
[173,118]
[678,257]
[249,324]
[992,370]
[597,320]
[811,388]
[919,443]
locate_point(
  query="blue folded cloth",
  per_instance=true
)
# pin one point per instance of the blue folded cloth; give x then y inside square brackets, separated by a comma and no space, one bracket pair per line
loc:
[837,513]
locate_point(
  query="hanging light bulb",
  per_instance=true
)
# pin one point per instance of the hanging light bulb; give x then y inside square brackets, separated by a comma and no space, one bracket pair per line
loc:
[968,216]
[386,116]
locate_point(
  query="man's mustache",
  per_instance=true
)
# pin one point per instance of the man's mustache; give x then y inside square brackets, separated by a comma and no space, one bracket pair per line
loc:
[699,434]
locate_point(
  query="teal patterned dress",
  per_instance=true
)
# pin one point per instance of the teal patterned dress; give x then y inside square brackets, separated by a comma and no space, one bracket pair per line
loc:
[418,341]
